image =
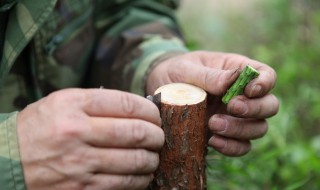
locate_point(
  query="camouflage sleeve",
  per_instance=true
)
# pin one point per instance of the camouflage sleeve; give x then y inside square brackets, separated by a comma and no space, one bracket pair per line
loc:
[11,175]
[135,34]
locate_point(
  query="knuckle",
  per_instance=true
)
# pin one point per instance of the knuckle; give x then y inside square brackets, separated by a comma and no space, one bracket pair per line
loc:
[127,103]
[141,160]
[66,129]
[128,180]
[139,133]
[257,109]
[240,148]
[115,130]
[239,129]
[142,132]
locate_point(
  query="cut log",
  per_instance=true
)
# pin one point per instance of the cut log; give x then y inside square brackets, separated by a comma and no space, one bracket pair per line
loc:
[182,159]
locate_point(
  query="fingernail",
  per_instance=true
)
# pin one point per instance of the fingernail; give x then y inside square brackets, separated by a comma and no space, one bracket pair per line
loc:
[239,107]
[218,125]
[255,91]
[217,142]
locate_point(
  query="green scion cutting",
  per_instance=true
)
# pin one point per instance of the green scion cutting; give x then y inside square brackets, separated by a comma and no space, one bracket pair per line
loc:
[237,88]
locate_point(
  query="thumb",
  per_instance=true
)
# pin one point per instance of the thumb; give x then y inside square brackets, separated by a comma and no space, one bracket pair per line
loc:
[214,81]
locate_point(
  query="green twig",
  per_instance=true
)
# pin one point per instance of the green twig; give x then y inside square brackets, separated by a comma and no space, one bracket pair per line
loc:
[247,74]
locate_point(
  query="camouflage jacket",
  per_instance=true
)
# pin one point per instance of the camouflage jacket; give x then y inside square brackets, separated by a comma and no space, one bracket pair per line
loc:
[54,44]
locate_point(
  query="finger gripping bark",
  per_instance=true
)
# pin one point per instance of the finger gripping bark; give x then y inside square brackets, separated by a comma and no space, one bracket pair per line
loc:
[182,159]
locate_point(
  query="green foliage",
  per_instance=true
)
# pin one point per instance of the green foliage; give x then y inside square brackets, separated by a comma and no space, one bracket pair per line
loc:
[286,35]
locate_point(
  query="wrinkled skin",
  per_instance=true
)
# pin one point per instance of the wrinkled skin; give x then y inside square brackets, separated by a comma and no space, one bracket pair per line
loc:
[233,126]
[89,139]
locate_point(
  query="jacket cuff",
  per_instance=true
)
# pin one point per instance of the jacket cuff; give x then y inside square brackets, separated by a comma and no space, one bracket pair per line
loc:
[10,165]
[155,50]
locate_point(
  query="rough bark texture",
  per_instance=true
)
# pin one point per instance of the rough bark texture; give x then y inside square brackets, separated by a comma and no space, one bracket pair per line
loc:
[182,159]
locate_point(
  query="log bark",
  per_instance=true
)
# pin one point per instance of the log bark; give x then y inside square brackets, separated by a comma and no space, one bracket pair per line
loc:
[182,159]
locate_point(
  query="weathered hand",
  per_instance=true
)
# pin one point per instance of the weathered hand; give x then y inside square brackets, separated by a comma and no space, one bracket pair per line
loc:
[243,119]
[89,139]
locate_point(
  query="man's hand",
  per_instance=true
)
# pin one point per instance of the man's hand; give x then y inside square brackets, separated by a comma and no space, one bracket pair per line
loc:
[89,139]
[243,119]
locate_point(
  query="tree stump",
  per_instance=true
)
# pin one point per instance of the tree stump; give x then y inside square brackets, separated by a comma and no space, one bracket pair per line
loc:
[182,159]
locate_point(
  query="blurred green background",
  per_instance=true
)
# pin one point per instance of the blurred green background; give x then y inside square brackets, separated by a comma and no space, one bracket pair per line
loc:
[286,35]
